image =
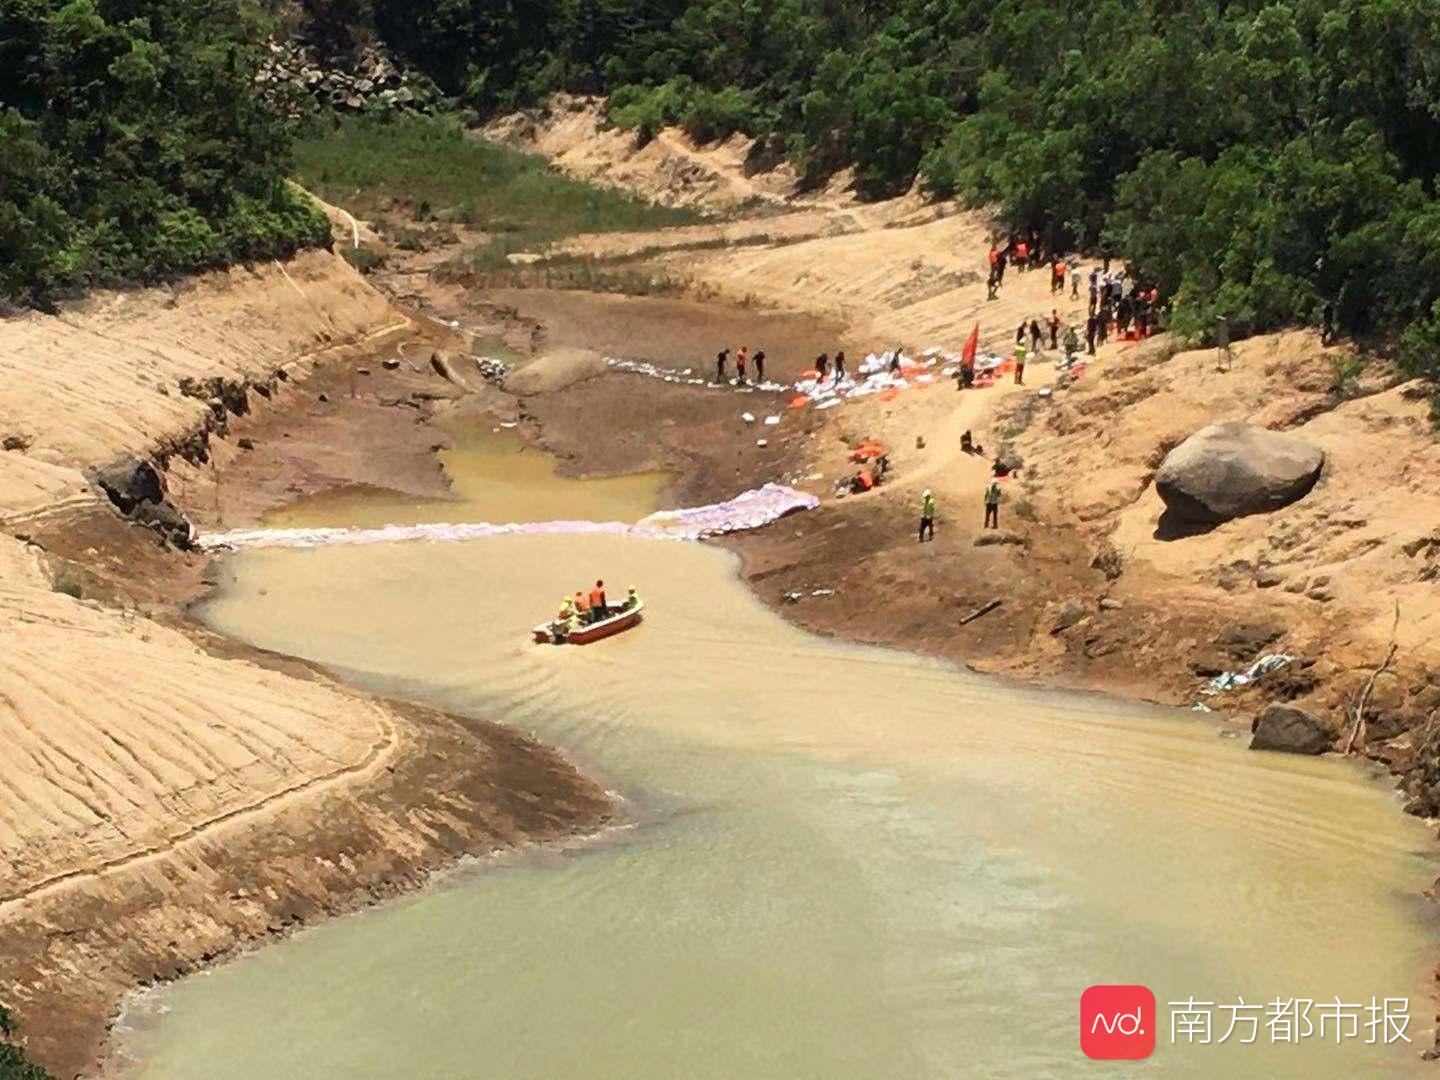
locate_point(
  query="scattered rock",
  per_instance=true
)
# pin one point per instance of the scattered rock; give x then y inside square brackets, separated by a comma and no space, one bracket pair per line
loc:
[1071,612]
[1268,577]
[390,365]
[246,443]
[994,537]
[1291,730]
[362,371]
[167,520]
[324,397]
[1232,469]
[16,442]
[1108,560]
[1246,639]
[440,364]
[490,369]
[1109,603]
[130,482]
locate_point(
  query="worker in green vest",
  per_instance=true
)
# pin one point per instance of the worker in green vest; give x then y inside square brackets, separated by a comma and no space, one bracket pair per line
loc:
[992,505]
[927,516]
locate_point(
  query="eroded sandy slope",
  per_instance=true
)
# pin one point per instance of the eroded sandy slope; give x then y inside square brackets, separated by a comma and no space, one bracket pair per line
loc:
[122,737]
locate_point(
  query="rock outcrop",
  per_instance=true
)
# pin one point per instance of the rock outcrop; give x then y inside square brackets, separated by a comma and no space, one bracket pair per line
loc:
[1291,730]
[1229,470]
[367,81]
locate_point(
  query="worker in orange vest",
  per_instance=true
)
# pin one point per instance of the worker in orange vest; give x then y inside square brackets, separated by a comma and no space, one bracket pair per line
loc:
[598,608]
[582,607]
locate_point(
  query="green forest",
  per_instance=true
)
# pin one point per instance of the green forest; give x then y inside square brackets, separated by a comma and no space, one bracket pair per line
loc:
[1260,161]
[133,145]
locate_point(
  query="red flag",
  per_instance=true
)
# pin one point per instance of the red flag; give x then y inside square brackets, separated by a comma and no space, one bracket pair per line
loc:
[967,358]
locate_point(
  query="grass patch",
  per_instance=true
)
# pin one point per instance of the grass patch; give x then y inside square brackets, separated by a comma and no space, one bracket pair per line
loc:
[429,168]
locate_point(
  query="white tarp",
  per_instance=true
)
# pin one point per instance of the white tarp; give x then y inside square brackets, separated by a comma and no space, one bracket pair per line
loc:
[749,510]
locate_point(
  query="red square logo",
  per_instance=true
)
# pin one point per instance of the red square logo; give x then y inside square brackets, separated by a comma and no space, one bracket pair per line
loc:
[1117,1023]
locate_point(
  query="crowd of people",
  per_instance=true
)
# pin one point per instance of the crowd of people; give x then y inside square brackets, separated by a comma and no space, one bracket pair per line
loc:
[1119,307]
[825,366]
[586,608]
[743,360]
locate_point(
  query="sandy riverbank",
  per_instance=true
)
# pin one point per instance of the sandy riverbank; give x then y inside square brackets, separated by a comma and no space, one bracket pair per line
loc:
[175,796]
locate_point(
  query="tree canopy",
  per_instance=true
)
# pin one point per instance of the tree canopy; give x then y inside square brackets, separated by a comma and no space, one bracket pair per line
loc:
[135,146]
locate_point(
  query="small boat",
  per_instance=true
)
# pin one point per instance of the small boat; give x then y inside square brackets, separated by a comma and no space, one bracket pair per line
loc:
[607,627]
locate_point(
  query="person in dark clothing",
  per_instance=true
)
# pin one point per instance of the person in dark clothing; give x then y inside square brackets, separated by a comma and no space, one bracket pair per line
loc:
[992,286]
[1102,327]
[1020,334]
[1035,335]
[721,358]
[1054,328]
[839,365]
[822,365]
[760,365]
[1091,325]
[1327,323]
[1000,261]
[1123,313]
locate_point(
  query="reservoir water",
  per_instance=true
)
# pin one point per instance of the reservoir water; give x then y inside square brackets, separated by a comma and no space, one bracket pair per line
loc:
[838,861]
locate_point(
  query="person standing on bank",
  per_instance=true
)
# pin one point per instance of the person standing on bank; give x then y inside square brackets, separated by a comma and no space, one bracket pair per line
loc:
[760,365]
[927,516]
[992,505]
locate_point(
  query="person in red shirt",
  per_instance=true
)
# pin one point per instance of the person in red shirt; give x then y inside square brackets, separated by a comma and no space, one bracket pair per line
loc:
[1054,322]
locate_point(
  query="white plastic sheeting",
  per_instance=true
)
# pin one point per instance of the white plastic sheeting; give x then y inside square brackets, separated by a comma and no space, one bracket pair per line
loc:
[872,376]
[687,376]
[749,510]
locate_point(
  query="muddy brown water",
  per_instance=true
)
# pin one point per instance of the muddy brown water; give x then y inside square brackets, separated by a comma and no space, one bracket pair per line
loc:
[840,862]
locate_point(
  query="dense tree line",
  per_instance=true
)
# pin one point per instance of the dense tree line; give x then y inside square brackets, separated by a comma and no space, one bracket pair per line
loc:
[1257,160]
[133,145]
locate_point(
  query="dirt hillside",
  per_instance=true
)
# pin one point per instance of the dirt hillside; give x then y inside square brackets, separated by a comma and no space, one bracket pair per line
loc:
[171,796]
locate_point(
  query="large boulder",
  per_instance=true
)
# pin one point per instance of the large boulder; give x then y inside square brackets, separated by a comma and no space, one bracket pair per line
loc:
[1229,470]
[131,481]
[554,370]
[1292,730]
